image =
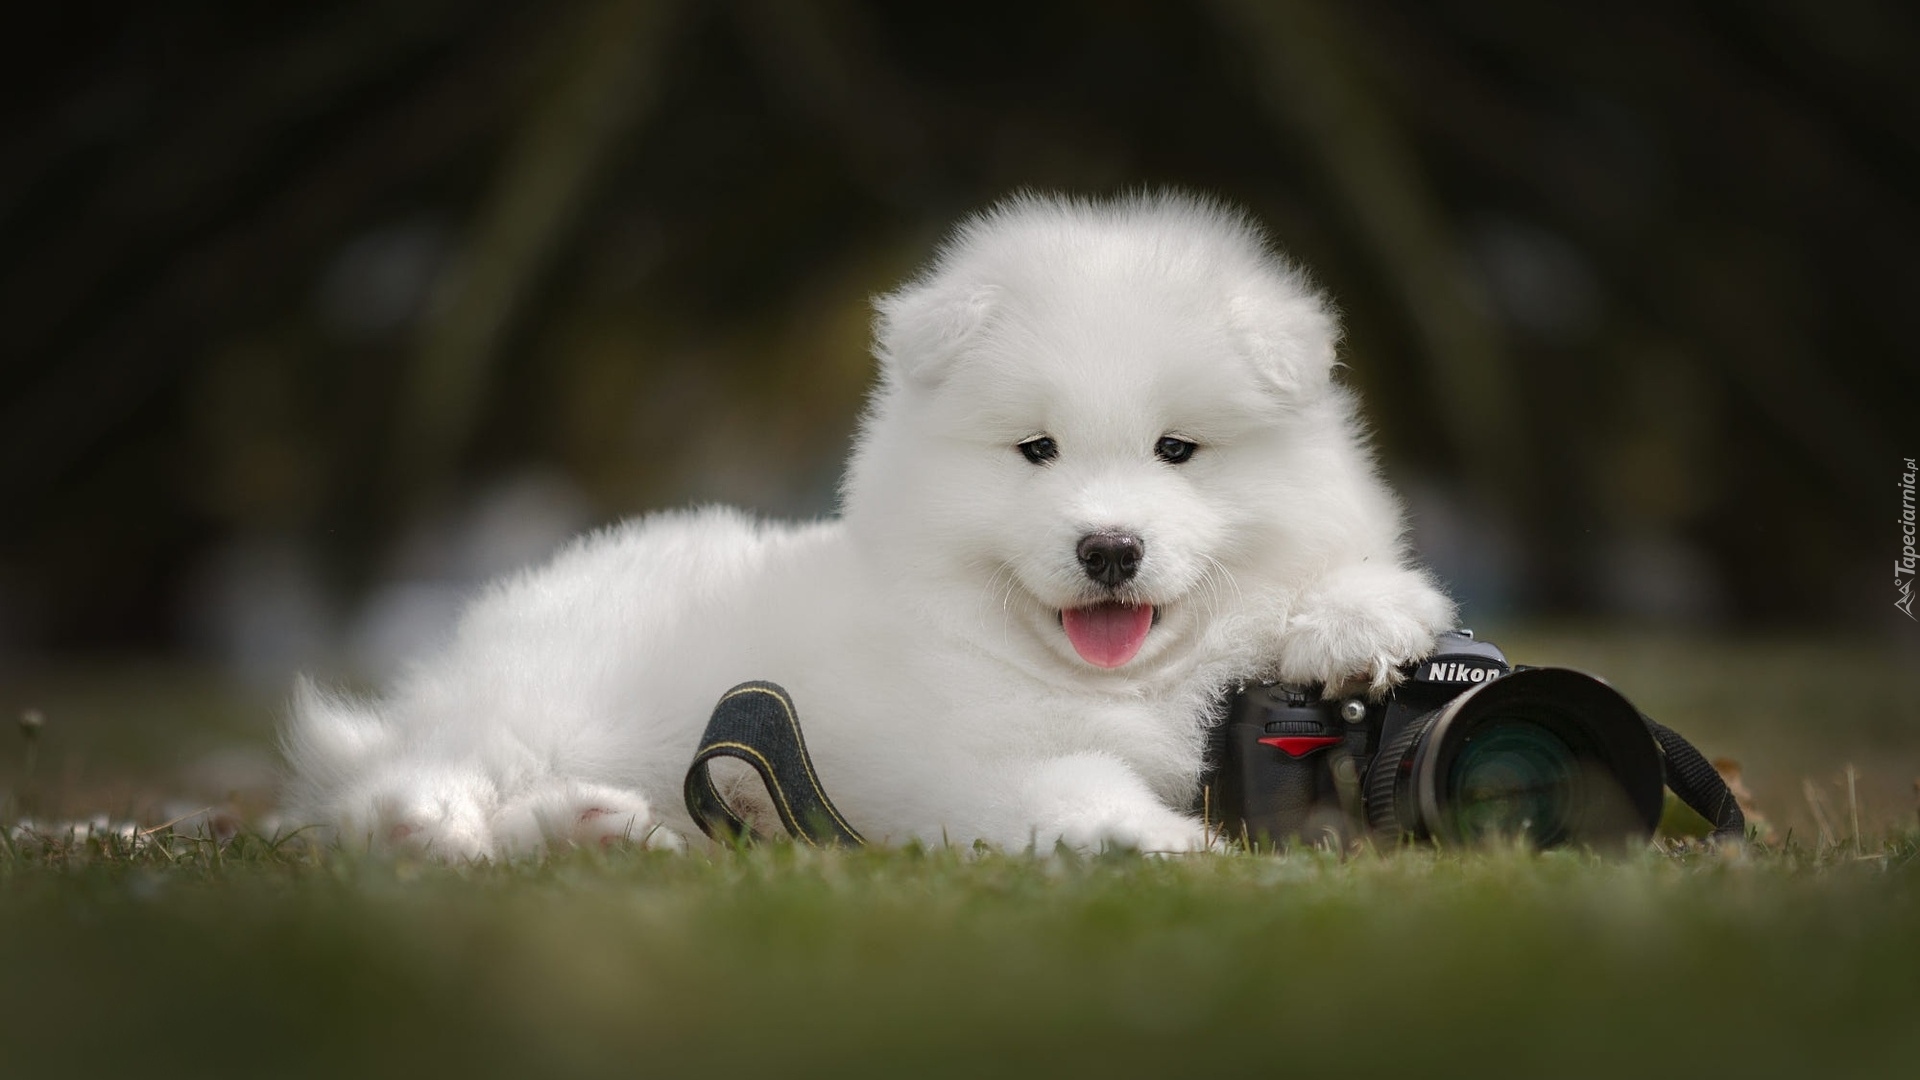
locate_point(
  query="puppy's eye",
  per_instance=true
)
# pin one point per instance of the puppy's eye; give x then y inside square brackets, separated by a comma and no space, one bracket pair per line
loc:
[1174,451]
[1040,449]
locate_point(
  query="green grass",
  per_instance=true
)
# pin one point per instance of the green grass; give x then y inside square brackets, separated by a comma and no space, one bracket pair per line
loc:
[245,960]
[1801,959]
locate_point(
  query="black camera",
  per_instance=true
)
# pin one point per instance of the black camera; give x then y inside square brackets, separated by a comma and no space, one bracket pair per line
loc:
[1467,748]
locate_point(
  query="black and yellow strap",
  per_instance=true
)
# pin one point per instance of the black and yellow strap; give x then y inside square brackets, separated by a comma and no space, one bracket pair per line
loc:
[755,722]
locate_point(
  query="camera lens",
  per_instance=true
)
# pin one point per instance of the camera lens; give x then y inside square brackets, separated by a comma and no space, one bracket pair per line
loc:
[1513,777]
[1545,755]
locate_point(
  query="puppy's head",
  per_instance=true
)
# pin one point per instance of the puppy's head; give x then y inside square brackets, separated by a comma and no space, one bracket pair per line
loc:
[1086,416]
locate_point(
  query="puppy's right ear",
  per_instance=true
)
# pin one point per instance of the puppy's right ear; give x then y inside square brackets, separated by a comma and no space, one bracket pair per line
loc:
[921,329]
[1290,334]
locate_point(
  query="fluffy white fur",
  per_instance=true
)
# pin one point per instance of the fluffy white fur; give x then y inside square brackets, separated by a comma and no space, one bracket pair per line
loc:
[920,631]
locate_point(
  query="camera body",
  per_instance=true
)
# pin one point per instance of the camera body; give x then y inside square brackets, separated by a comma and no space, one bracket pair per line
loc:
[1466,748]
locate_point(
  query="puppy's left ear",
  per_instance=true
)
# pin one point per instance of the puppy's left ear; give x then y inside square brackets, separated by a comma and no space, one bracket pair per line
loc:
[921,329]
[1289,332]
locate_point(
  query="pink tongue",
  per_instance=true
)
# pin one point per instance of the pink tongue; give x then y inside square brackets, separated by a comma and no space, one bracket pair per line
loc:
[1108,635]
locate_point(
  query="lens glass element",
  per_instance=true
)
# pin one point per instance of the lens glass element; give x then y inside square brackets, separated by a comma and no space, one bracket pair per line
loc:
[1513,777]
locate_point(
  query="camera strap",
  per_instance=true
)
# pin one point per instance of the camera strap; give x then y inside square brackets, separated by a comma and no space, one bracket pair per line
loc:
[1697,783]
[756,723]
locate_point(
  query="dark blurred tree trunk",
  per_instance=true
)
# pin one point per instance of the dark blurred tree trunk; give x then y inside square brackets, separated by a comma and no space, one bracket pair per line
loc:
[601,77]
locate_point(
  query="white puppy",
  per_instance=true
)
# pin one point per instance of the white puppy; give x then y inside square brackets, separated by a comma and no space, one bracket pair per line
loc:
[1106,473]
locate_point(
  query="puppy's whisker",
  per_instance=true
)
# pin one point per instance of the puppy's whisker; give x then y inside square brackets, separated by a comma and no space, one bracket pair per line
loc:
[1218,578]
[1214,563]
[1211,580]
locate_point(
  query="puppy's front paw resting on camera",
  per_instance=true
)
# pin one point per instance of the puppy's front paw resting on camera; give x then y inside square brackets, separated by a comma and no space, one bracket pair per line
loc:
[1360,625]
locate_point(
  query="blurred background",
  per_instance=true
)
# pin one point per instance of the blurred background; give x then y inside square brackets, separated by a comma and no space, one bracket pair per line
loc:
[314,315]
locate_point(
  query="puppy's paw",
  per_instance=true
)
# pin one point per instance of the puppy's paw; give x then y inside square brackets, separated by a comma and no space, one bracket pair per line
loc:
[442,815]
[1358,626]
[564,814]
[1094,802]
[1154,832]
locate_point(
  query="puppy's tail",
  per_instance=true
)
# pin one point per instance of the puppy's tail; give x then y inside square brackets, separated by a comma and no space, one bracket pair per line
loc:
[328,741]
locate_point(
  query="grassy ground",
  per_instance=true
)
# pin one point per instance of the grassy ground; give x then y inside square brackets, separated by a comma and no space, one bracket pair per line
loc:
[782,962]
[190,957]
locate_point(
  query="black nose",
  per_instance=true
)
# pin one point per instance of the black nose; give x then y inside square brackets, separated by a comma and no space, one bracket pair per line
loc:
[1111,558]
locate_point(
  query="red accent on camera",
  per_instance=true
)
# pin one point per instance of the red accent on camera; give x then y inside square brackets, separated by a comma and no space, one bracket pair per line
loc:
[1299,745]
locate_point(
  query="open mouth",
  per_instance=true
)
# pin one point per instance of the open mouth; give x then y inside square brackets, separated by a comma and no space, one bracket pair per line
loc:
[1108,634]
